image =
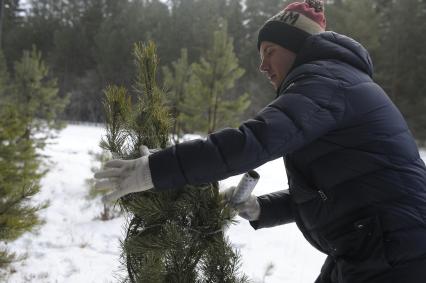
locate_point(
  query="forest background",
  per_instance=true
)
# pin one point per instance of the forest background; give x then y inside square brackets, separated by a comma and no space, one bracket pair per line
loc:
[87,45]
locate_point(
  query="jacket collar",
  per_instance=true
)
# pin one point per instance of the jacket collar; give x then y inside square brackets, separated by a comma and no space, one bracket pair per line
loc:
[293,76]
[327,46]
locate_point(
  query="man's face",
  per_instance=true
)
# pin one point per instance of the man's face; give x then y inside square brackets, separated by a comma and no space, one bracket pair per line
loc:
[275,62]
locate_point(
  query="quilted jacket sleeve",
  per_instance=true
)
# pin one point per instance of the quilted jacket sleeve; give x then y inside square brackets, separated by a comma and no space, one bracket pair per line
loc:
[306,111]
[275,209]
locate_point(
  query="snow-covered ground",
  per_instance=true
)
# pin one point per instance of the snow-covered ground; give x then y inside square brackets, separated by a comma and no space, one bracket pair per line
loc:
[74,246]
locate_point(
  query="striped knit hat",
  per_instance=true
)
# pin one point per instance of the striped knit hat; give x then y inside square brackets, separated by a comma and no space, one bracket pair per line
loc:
[290,27]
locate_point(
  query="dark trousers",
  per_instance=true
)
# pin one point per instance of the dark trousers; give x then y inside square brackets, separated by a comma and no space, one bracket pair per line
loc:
[410,272]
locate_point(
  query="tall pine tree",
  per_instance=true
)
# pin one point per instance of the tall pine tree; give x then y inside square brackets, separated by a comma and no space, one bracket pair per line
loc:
[19,180]
[175,236]
[20,165]
[36,96]
[212,78]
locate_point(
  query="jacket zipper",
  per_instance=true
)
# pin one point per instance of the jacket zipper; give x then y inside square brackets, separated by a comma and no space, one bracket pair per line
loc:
[322,195]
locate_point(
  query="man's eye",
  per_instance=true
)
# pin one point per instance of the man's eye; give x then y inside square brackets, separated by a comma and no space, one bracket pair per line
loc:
[267,52]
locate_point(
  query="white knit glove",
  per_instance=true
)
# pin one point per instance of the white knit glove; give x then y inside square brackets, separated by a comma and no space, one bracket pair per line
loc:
[125,176]
[248,209]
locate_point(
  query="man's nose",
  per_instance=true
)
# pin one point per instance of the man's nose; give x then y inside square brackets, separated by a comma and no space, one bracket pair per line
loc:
[263,67]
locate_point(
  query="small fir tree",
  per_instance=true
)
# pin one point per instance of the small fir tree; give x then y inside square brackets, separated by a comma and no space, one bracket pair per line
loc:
[20,165]
[209,99]
[19,180]
[37,97]
[175,236]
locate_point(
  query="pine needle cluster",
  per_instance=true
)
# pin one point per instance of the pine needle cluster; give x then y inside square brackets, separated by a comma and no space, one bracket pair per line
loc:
[174,236]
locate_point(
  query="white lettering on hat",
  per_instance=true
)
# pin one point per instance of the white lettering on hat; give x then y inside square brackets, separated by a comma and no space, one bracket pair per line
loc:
[297,20]
[287,17]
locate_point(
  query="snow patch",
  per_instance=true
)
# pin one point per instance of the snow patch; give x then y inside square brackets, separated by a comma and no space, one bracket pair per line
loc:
[74,246]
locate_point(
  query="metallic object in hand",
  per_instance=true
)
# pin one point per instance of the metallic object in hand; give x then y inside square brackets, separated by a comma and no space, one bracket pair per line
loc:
[245,187]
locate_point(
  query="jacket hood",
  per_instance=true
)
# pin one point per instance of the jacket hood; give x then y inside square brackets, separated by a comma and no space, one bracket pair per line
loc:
[330,46]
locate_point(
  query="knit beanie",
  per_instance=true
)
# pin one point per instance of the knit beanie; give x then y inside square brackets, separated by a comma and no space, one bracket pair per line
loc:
[290,27]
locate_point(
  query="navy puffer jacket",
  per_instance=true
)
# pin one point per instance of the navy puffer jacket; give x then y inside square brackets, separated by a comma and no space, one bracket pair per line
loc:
[357,183]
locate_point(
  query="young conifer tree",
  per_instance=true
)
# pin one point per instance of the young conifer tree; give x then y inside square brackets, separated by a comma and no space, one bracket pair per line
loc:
[20,171]
[19,180]
[36,95]
[174,236]
[209,104]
